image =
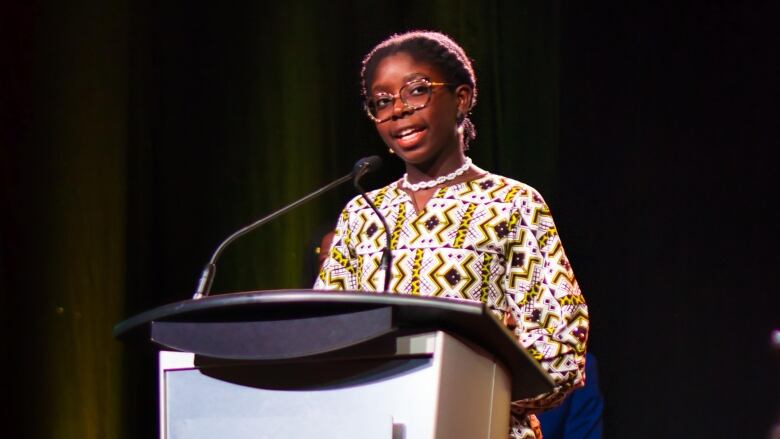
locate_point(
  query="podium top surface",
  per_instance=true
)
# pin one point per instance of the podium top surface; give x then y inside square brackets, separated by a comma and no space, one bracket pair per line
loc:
[242,304]
[470,320]
[237,305]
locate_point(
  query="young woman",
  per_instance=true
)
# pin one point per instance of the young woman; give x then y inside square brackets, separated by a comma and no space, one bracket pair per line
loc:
[458,231]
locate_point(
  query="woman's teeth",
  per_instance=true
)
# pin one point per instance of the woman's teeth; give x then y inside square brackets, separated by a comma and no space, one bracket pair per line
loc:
[408,138]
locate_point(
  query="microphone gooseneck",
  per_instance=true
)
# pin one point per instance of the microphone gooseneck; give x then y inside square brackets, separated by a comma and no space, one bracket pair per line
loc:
[362,167]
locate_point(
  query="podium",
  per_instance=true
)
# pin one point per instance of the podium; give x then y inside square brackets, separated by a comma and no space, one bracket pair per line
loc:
[303,363]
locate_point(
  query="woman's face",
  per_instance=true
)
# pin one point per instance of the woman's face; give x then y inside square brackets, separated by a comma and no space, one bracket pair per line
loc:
[428,134]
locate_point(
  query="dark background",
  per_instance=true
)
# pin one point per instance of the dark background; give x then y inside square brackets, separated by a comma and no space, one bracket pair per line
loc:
[134,136]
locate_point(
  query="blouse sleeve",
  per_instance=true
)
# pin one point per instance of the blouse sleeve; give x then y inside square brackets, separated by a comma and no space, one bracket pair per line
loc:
[339,271]
[544,299]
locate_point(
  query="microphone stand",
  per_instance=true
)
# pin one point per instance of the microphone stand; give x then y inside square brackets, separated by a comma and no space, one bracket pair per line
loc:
[207,276]
[387,254]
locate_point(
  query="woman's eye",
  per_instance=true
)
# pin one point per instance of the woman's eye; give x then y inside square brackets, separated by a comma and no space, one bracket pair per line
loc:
[382,102]
[419,89]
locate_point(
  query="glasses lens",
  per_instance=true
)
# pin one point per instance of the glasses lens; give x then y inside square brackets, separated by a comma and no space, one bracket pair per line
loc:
[380,106]
[416,94]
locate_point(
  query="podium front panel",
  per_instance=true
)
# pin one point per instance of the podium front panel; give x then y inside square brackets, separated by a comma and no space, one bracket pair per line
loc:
[393,398]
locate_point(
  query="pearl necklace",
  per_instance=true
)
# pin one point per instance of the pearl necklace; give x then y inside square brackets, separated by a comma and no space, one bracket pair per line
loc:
[431,183]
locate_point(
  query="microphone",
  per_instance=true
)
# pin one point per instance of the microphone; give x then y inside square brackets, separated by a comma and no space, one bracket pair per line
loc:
[362,167]
[366,165]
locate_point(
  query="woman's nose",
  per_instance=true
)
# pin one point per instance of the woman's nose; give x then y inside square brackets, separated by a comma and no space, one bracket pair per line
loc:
[400,109]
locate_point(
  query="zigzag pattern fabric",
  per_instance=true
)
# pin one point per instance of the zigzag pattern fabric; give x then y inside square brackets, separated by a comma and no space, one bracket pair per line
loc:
[491,240]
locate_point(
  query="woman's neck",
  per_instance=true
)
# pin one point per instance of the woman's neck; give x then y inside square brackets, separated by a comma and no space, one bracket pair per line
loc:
[435,168]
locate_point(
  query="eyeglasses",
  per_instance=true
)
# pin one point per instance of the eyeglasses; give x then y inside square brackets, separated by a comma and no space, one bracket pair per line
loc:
[415,95]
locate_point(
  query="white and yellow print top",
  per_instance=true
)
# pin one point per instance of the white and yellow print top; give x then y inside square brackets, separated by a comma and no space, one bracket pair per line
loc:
[491,240]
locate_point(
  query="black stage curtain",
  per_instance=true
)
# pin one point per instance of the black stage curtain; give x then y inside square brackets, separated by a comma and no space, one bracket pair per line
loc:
[135,136]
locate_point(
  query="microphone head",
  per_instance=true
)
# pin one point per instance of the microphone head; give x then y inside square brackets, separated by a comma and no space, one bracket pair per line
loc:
[368,164]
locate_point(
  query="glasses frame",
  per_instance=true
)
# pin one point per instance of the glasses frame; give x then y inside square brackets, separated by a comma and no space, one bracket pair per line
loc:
[399,95]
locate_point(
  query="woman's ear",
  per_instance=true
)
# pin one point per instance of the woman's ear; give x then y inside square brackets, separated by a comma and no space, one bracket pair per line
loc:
[463,94]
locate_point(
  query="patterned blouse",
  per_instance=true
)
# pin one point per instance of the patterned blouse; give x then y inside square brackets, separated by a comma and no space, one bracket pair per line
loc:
[491,240]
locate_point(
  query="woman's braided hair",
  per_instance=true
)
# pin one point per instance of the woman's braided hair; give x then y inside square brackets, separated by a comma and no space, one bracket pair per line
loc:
[440,51]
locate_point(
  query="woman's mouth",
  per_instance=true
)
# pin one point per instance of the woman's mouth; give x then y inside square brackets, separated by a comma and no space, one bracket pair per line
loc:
[409,137]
